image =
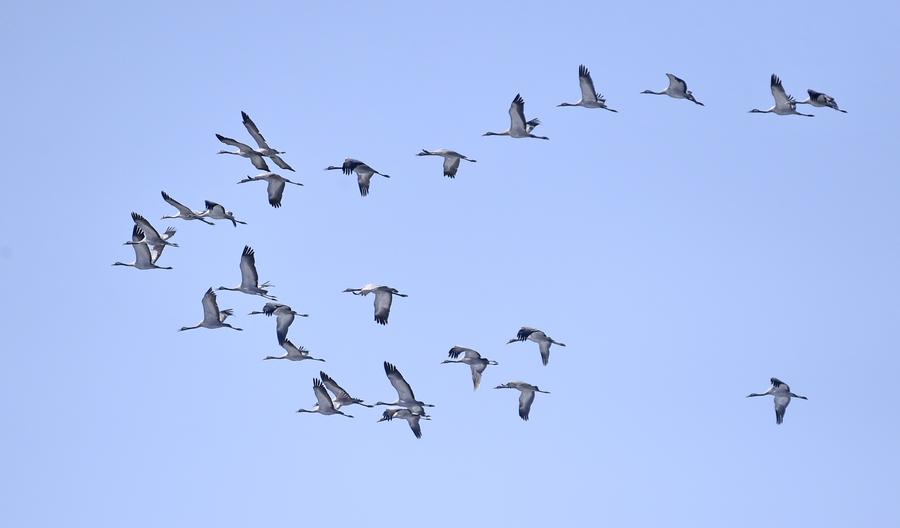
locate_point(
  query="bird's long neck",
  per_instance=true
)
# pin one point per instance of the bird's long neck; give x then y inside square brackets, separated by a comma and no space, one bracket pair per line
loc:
[227,152]
[122,264]
[183,328]
[567,104]
[497,133]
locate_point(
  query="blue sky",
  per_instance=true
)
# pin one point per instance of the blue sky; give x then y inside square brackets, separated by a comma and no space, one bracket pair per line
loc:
[684,254]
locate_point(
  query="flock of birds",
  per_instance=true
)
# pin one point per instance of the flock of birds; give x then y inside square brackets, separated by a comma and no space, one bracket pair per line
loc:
[148,245]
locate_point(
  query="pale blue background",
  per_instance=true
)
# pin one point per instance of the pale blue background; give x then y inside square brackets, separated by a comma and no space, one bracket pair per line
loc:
[684,254]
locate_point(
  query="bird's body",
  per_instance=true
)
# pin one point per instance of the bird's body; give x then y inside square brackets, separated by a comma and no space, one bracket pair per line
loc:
[264,148]
[143,255]
[212,316]
[473,359]
[325,405]
[411,417]
[782,395]
[218,212]
[244,151]
[451,160]
[821,100]
[151,235]
[184,212]
[363,172]
[284,316]
[275,185]
[293,353]
[784,103]
[249,278]
[590,98]
[341,397]
[677,89]
[536,336]
[384,296]
[526,398]
[518,126]
[405,396]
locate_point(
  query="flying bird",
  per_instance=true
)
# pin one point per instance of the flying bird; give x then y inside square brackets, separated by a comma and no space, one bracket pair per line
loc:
[143,258]
[518,127]
[537,336]
[677,89]
[325,405]
[363,172]
[284,316]
[590,98]
[293,353]
[217,212]
[784,103]
[782,394]
[275,186]
[471,358]
[341,397]
[212,316]
[264,148]
[451,160]
[384,296]
[249,278]
[151,235]
[244,151]
[405,396]
[820,99]
[526,398]
[411,418]
[184,212]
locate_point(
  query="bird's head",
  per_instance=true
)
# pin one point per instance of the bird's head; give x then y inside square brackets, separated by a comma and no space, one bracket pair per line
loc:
[647,92]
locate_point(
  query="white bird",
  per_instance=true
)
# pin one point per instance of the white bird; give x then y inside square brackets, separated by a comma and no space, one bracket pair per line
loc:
[784,103]
[264,148]
[218,212]
[275,185]
[143,258]
[244,151]
[284,316]
[405,396]
[677,89]
[820,99]
[212,316]
[534,335]
[526,398]
[363,172]
[184,212]
[518,127]
[325,405]
[411,418]
[384,296]
[782,394]
[451,160]
[590,98]
[249,277]
[341,397]
[293,353]
[471,358]
[151,235]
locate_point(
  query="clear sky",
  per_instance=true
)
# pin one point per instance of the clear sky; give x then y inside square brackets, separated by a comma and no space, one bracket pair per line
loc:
[685,254]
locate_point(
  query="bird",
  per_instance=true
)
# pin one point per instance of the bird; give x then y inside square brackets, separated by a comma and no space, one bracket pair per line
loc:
[183,212]
[590,98]
[471,358]
[325,405]
[275,185]
[244,151]
[526,398]
[364,173]
[249,278]
[284,316]
[212,316]
[677,88]
[293,353]
[217,212]
[782,394]
[820,99]
[518,127]
[143,258]
[532,334]
[151,235]
[405,396]
[411,418]
[264,148]
[784,103]
[341,397]
[451,160]
[384,296]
